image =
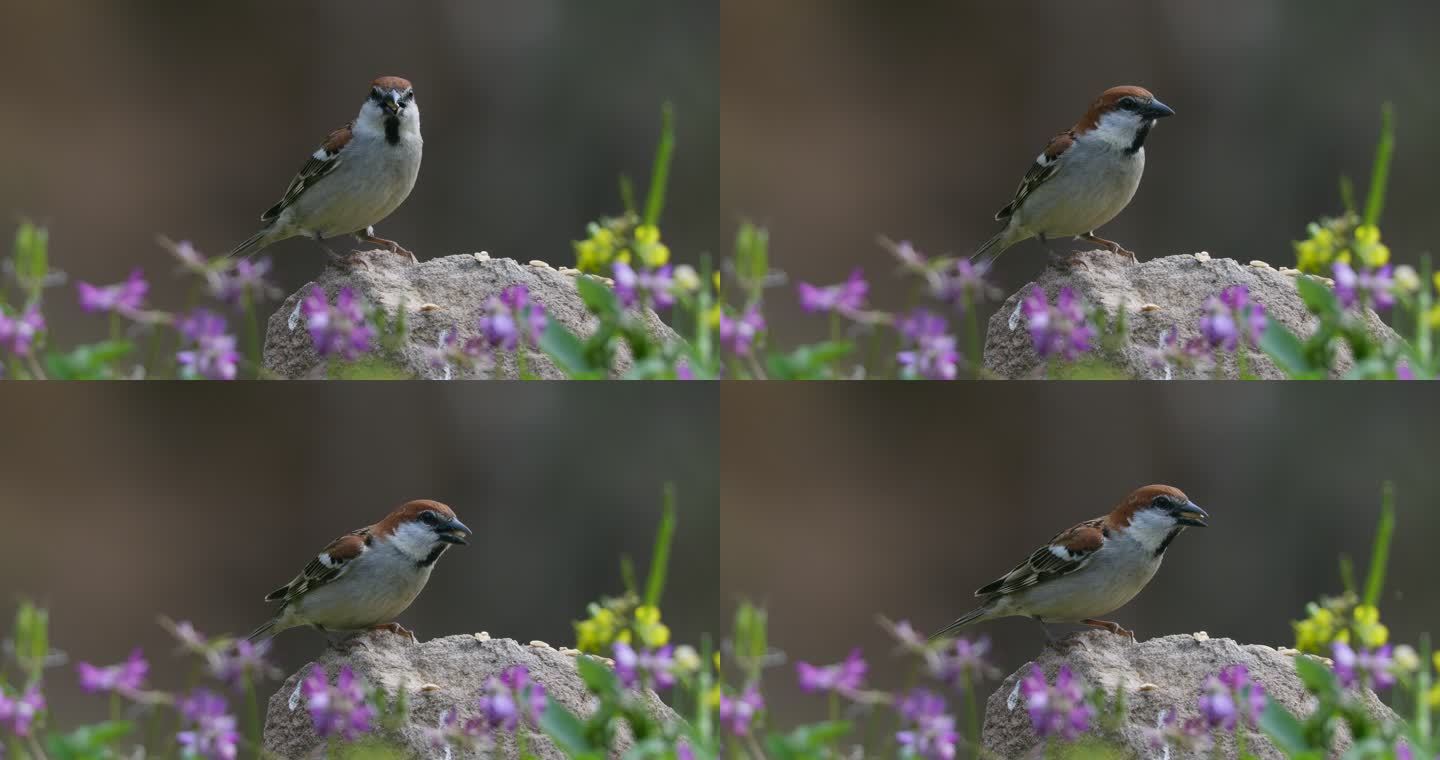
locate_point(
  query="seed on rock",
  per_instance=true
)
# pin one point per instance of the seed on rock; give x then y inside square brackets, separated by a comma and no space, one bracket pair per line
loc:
[1146,687]
[1258,264]
[1201,636]
[539,263]
[540,644]
[483,636]
[424,307]
[1203,255]
[1150,307]
[483,255]
[429,687]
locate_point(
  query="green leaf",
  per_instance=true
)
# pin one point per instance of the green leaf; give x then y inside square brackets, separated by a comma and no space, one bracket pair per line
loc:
[566,730]
[566,350]
[599,298]
[89,742]
[807,741]
[1318,296]
[95,361]
[752,255]
[1380,170]
[1316,676]
[598,677]
[808,362]
[660,557]
[32,639]
[1286,351]
[660,171]
[1284,729]
[367,368]
[32,259]
[1380,550]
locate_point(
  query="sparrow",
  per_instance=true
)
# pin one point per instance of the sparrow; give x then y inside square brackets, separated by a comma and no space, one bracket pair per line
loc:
[1084,177]
[367,577]
[360,174]
[1092,568]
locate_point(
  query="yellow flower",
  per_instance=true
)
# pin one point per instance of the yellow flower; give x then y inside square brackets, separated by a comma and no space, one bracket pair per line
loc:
[598,633]
[1315,633]
[1368,246]
[1368,627]
[647,234]
[648,627]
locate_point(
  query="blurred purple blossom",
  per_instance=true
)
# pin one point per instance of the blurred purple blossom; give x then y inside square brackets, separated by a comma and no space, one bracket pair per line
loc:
[645,667]
[1231,697]
[652,286]
[1193,735]
[1231,316]
[241,662]
[508,699]
[739,335]
[737,713]
[1058,710]
[340,710]
[19,712]
[963,285]
[934,736]
[340,330]
[18,333]
[961,663]
[910,257]
[125,678]
[842,677]
[1366,668]
[1171,352]
[190,639]
[846,297]
[211,733]
[511,317]
[211,351]
[1368,287]
[245,280]
[1061,330]
[124,298]
[932,355]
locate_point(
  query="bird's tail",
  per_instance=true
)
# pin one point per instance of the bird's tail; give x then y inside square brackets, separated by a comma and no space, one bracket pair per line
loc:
[253,245]
[991,249]
[961,622]
[263,632]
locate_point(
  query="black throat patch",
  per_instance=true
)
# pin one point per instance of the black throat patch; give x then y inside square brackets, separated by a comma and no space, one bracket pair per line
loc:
[1134,148]
[437,551]
[392,130]
[1166,543]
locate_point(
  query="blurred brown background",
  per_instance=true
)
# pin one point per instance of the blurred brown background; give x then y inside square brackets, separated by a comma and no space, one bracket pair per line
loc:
[844,502]
[847,119]
[129,502]
[133,118]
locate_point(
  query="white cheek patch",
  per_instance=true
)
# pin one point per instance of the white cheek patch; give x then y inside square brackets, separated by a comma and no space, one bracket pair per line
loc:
[1118,129]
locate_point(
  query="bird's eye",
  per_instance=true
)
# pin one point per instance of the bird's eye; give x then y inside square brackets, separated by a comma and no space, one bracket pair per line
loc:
[429,518]
[1128,103]
[1161,502]
[407,97]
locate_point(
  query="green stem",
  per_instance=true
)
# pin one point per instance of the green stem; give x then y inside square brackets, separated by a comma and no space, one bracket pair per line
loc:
[835,717]
[521,370]
[972,329]
[252,715]
[252,333]
[973,715]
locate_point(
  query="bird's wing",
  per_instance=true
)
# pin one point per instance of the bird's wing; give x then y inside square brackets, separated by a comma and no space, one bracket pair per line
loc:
[322,162]
[1045,166]
[1067,552]
[325,567]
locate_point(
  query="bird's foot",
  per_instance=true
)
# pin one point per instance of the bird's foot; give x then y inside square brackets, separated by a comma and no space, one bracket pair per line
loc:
[397,629]
[389,245]
[1114,628]
[349,261]
[1110,246]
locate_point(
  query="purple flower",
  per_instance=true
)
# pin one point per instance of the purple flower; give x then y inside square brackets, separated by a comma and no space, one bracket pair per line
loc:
[964,286]
[508,699]
[211,353]
[212,731]
[934,735]
[339,330]
[1061,330]
[904,633]
[964,663]
[934,356]
[645,667]
[737,713]
[848,296]
[1403,370]
[1368,287]
[340,710]
[908,255]
[739,335]
[18,333]
[1231,316]
[511,317]
[683,750]
[1366,668]
[126,678]
[125,297]
[19,712]
[1192,735]
[245,280]
[1192,353]
[1230,697]
[841,677]
[189,257]
[654,286]
[240,663]
[191,639]
[1059,710]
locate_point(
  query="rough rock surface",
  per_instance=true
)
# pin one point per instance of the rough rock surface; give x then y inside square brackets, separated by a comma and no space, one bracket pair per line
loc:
[436,675]
[440,294]
[1158,674]
[1156,295]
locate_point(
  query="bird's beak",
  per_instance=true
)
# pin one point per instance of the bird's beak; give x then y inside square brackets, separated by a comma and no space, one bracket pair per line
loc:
[391,105]
[1158,110]
[1190,514]
[455,532]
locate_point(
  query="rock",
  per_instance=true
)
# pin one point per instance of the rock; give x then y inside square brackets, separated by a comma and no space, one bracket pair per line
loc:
[1156,295]
[437,295]
[1165,673]
[436,675]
